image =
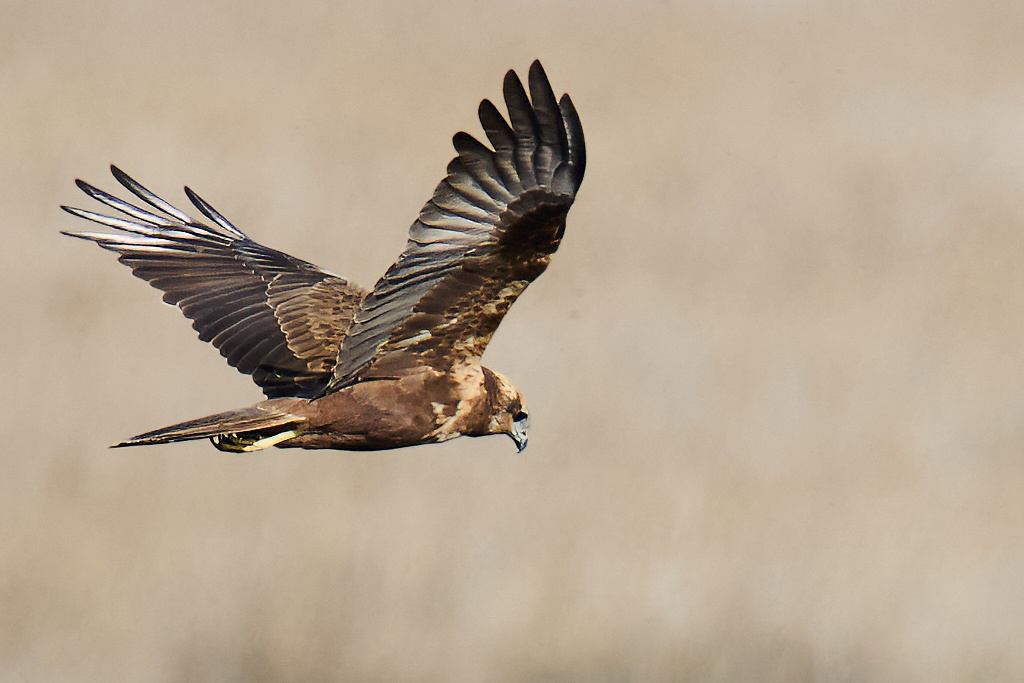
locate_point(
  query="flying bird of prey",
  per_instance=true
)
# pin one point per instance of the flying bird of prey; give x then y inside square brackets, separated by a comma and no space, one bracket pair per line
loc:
[398,365]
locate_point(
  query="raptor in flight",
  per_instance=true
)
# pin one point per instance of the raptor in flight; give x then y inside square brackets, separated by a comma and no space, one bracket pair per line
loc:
[398,365]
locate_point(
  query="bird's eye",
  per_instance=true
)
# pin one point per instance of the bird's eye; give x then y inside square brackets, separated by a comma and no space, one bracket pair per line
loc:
[521,416]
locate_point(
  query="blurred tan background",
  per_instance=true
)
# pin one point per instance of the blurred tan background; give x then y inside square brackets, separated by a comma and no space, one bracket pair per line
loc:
[775,369]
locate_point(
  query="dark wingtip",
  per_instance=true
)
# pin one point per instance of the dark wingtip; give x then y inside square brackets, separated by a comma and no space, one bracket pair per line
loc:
[212,213]
[486,108]
[123,444]
[574,130]
[537,70]
[512,81]
[77,213]
[540,86]
[196,200]
[81,236]
[126,180]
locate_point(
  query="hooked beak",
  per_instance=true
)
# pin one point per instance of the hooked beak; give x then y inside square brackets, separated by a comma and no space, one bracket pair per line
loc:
[518,435]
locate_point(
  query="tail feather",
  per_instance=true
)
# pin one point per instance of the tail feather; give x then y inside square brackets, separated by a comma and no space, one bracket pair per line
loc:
[260,419]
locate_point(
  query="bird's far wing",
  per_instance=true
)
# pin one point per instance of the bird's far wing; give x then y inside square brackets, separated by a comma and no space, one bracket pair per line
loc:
[488,231]
[272,316]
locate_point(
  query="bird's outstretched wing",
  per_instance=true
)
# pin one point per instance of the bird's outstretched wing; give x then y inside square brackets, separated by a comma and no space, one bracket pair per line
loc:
[271,315]
[488,231]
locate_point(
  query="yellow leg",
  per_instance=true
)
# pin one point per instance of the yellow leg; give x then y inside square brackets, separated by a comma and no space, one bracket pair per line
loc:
[234,444]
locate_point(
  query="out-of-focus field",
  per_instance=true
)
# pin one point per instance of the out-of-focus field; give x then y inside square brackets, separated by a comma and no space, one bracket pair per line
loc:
[776,370]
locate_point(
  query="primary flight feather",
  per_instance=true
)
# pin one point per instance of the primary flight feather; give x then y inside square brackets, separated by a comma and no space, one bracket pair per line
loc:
[395,366]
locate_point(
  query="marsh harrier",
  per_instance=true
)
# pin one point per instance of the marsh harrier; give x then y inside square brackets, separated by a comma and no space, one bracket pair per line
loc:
[398,365]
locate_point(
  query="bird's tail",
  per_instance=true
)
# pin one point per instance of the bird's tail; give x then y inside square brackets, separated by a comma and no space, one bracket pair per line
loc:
[248,429]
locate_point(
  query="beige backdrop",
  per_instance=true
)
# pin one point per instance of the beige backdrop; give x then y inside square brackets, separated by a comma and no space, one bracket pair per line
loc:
[775,369]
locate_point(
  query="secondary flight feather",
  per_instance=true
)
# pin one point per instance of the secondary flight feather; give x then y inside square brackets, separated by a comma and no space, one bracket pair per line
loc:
[395,366]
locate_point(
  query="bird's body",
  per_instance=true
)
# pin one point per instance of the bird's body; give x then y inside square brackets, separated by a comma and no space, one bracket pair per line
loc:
[427,406]
[398,365]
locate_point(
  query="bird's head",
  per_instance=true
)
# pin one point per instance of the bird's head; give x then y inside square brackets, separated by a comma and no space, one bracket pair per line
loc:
[508,410]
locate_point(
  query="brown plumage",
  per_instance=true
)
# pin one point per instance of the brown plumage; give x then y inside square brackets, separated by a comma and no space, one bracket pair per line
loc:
[396,366]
